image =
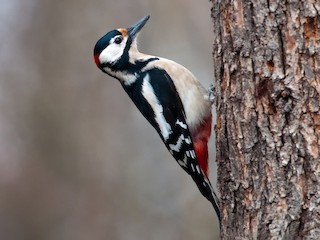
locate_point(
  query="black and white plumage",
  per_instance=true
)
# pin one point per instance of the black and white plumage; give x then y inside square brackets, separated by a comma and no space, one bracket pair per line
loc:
[167,95]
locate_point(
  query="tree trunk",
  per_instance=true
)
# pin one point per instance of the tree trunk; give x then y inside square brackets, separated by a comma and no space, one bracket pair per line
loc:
[266,58]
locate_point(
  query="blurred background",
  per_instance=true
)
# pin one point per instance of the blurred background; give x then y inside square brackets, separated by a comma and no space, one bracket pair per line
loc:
[77,160]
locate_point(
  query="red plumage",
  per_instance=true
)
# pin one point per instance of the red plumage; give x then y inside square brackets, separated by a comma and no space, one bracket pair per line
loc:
[200,143]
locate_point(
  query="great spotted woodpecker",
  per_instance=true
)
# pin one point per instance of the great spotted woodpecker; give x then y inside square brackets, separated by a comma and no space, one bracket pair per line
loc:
[168,95]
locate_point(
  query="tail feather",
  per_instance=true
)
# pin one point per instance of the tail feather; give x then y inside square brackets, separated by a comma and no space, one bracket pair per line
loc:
[207,191]
[200,139]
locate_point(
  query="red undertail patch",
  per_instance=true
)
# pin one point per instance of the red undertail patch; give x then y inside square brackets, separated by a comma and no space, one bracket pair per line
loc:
[201,149]
[200,144]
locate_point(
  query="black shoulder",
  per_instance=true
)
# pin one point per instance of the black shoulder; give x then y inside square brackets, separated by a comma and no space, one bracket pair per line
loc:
[166,92]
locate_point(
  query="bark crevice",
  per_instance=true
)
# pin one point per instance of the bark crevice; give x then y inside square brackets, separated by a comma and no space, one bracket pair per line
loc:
[268,127]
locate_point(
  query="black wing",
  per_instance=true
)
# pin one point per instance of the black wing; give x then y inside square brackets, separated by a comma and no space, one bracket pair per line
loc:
[155,95]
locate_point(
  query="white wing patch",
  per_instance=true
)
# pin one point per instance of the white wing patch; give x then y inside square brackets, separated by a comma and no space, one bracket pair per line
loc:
[192,167]
[191,154]
[198,169]
[176,147]
[196,106]
[188,140]
[181,124]
[183,163]
[149,95]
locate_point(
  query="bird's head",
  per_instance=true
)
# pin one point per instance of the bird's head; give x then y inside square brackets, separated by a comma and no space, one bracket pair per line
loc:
[114,49]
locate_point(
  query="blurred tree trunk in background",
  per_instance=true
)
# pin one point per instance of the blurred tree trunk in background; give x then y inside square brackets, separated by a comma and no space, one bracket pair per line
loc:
[266,58]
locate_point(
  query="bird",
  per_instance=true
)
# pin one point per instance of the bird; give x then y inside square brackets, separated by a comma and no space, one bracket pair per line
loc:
[168,95]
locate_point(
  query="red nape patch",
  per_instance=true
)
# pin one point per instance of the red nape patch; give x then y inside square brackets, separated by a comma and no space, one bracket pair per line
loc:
[96,60]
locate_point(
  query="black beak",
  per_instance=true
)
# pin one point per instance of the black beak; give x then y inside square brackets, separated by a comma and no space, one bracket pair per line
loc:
[136,27]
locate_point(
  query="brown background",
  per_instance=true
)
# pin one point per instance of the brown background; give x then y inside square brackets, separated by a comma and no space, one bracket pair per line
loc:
[77,160]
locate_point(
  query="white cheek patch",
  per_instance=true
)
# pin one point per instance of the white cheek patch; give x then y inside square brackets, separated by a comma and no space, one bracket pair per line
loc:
[149,95]
[113,51]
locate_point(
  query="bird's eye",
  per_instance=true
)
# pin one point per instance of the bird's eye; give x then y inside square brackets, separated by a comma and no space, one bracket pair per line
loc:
[118,40]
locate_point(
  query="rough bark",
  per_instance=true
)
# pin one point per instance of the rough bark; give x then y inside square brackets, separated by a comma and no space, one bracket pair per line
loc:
[267,71]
